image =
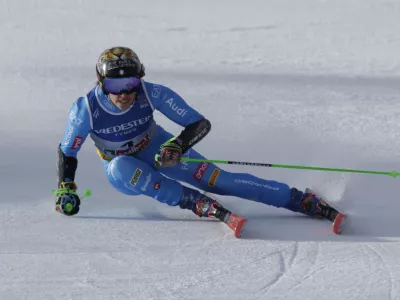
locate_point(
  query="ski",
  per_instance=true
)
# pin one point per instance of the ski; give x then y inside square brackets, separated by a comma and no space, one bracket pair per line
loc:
[236,223]
[339,222]
[332,214]
[337,218]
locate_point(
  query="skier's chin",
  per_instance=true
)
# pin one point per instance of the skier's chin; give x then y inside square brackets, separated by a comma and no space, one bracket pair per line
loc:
[125,104]
[123,101]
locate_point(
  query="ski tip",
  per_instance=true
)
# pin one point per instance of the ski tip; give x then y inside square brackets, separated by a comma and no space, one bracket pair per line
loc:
[239,227]
[338,224]
[236,223]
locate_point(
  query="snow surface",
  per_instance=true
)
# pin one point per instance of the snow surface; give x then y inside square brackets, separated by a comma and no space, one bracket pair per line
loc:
[311,82]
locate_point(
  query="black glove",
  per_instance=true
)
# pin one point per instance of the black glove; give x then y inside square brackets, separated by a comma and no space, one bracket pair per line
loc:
[67,200]
[170,153]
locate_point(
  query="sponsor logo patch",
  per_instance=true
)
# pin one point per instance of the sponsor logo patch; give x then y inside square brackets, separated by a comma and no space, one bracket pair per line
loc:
[214,177]
[201,169]
[146,183]
[68,136]
[126,127]
[142,101]
[200,135]
[185,164]
[155,93]
[74,118]
[136,176]
[77,142]
[180,111]
[256,184]
[129,148]
[96,113]
[157,186]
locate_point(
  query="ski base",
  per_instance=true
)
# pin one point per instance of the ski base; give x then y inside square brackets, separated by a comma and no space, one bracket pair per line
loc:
[337,218]
[338,223]
[236,223]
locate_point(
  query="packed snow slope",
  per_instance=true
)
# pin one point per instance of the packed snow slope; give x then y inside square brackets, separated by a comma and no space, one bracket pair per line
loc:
[307,82]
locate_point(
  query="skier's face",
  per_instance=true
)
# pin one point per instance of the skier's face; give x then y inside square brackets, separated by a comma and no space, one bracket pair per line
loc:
[123,101]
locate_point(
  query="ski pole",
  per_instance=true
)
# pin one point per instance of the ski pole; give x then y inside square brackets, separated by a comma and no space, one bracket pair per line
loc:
[394,174]
[86,193]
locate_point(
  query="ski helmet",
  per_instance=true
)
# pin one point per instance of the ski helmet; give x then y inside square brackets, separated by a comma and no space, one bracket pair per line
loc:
[118,62]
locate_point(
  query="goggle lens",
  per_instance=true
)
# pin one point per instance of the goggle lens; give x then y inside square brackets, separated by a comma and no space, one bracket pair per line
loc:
[117,86]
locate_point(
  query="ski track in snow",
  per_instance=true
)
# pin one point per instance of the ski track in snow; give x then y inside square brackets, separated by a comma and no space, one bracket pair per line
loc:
[309,273]
[282,272]
[383,267]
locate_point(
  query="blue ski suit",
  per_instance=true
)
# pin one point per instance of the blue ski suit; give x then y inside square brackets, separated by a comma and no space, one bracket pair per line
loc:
[128,140]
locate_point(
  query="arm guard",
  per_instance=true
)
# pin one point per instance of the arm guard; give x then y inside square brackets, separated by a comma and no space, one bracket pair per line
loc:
[194,133]
[66,167]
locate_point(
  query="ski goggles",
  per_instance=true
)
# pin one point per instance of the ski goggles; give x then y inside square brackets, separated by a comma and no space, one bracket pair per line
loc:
[117,86]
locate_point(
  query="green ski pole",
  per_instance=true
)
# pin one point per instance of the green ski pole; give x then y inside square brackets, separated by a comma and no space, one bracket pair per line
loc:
[86,193]
[394,174]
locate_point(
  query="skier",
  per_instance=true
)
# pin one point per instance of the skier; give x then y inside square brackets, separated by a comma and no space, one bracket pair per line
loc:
[141,158]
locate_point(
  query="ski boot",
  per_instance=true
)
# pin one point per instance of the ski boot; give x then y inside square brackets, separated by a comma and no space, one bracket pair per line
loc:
[310,204]
[204,206]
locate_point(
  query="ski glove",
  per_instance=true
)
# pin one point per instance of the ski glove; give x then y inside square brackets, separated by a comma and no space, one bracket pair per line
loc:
[170,153]
[67,200]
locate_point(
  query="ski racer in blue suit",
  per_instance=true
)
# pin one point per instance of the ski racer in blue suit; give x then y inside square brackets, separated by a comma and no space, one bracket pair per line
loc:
[141,158]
